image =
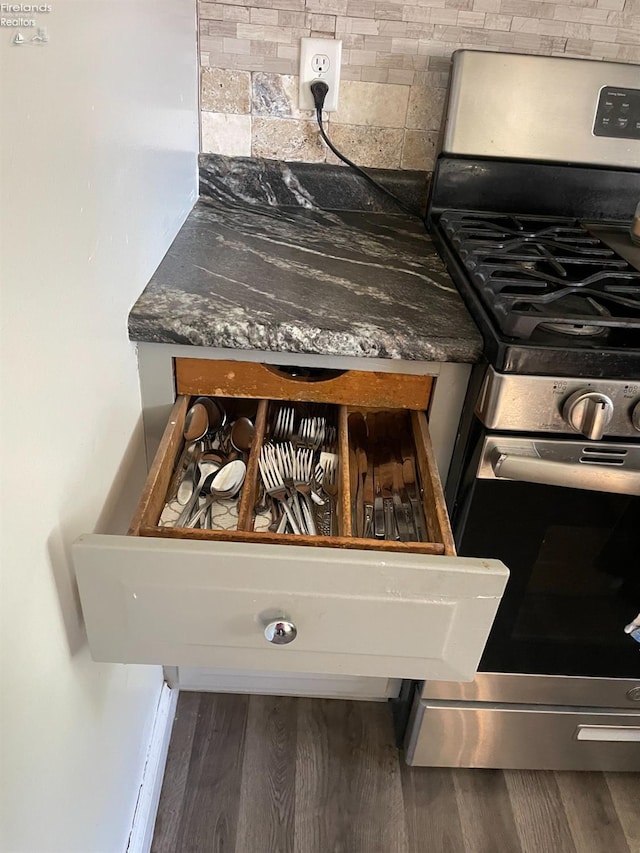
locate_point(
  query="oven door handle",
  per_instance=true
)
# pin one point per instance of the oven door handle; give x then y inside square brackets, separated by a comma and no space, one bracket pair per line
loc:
[595,478]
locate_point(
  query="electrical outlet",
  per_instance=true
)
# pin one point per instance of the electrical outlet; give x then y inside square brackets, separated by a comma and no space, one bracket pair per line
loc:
[319,60]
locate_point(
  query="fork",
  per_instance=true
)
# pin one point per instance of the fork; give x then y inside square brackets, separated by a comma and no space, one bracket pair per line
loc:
[329,463]
[329,440]
[274,484]
[283,427]
[306,476]
[312,432]
[285,457]
[302,476]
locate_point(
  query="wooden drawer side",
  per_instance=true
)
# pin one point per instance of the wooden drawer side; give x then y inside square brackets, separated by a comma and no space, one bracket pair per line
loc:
[156,485]
[433,493]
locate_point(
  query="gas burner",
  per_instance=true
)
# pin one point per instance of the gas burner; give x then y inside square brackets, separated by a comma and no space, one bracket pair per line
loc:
[575,305]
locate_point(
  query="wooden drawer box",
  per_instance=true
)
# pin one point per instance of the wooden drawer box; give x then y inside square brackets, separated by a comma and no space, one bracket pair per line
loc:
[361,607]
[146,519]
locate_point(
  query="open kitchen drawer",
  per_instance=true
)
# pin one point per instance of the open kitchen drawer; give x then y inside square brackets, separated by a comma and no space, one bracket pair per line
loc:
[361,607]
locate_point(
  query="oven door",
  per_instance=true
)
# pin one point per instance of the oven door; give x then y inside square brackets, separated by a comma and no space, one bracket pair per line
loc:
[564,516]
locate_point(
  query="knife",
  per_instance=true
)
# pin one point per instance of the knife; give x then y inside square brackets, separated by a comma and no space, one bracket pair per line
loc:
[378,511]
[409,477]
[405,530]
[362,475]
[359,436]
[409,515]
[391,528]
[374,490]
[378,503]
[367,495]
[354,483]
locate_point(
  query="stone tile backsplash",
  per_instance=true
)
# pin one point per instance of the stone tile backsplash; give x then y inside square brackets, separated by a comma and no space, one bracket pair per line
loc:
[395,67]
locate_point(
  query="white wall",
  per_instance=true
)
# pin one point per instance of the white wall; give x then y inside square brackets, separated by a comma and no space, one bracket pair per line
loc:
[98,138]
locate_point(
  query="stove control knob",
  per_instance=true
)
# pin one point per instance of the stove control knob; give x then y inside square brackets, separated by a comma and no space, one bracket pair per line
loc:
[635,417]
[588,412]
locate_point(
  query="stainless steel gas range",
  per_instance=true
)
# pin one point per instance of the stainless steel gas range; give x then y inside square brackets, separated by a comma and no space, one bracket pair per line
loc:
[532,198]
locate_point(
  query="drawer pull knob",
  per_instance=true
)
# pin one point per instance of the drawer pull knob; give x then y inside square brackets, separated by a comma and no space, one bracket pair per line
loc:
[281,632]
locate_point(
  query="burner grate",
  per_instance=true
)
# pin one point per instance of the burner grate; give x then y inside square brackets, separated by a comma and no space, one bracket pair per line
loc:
[545,275]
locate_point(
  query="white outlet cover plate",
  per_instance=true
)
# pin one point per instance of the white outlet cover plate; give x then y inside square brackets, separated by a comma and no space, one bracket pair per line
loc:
[315,54]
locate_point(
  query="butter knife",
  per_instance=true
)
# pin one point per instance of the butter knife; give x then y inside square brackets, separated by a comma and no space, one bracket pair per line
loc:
[359,436]
[378,512]
[409,476]
[390,524]
[354,484]
[405,530]
[366,492]
[378,502]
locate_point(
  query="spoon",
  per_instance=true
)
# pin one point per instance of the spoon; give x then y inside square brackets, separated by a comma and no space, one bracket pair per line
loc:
[204,469]
[196,425]
[242,433]
[217,417]
[187,481]
[225,484]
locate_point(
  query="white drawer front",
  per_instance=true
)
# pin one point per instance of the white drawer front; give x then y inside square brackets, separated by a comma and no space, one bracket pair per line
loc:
[187,603]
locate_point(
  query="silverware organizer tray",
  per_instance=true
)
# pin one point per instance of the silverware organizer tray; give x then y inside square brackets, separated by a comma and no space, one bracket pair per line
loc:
[146,521]
[224,511]
[333,442]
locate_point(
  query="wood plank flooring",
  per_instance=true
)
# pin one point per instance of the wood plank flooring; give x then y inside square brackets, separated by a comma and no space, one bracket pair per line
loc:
[264,774]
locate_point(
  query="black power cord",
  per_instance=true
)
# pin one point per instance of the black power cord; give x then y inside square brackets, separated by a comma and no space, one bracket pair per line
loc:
[319,91]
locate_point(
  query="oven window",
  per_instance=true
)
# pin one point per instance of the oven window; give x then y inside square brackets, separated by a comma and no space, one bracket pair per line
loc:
[574,562]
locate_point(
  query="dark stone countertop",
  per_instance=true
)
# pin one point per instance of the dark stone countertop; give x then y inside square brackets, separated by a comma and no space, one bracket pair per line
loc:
[260,265]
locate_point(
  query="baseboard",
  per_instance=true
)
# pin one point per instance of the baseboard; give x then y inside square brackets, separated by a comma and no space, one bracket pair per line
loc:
[144,817]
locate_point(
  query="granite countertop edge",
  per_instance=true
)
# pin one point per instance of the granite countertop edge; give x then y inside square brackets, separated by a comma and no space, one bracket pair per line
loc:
[311,342]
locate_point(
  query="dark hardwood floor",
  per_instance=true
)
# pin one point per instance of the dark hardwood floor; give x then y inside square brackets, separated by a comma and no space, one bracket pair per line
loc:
[262,774]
